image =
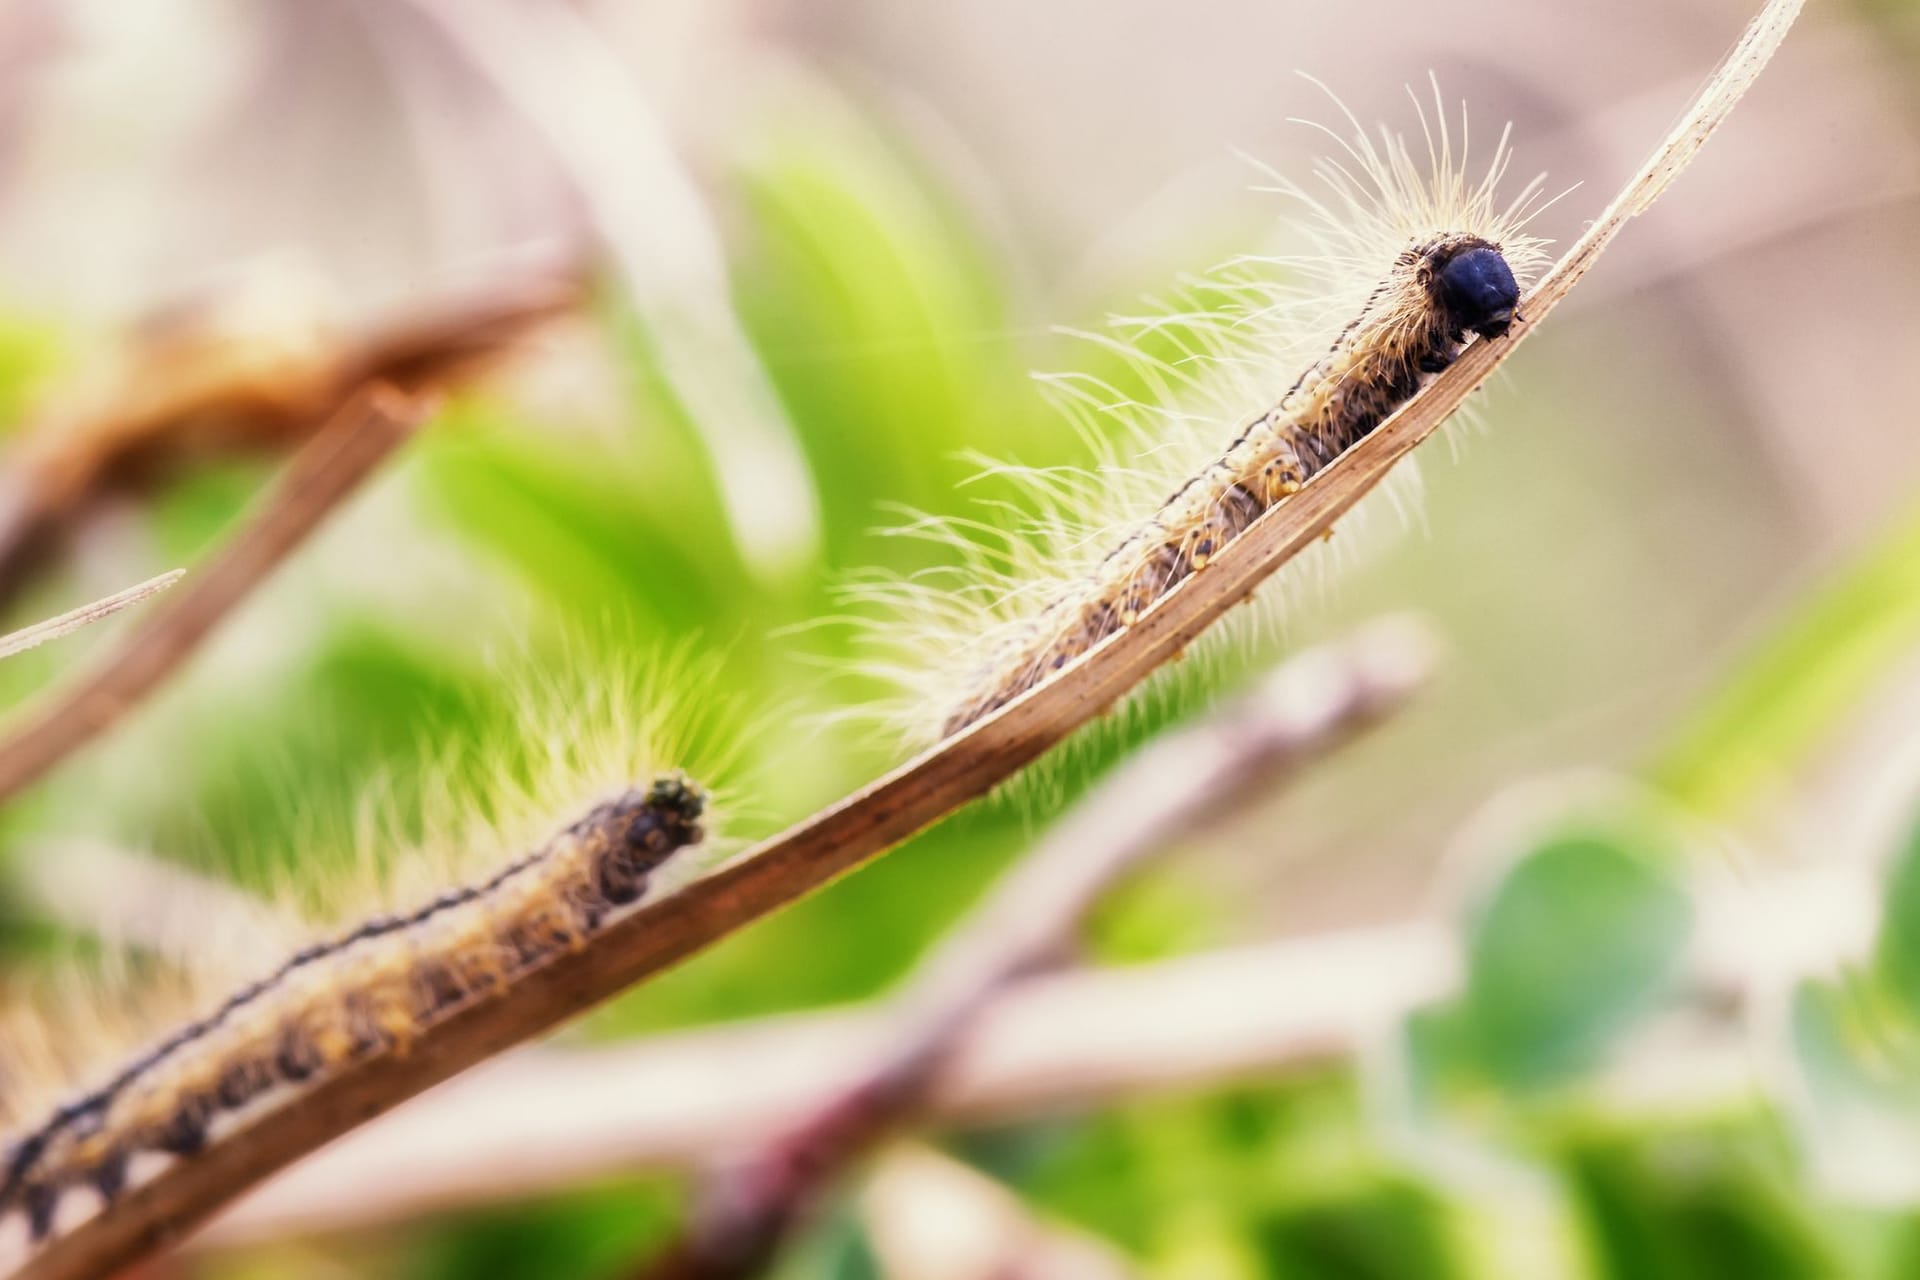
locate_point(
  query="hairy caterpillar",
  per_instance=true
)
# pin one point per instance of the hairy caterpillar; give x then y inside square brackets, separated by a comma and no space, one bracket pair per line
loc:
[369,986]
[1408,265]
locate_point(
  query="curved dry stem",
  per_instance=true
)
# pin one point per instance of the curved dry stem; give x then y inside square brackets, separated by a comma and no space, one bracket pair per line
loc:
[197,398]
[86,615]
[319,478]
[841,837]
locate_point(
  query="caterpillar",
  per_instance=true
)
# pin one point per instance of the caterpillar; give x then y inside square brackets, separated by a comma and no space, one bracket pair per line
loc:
[369,986]
[1409,264]
[370,990]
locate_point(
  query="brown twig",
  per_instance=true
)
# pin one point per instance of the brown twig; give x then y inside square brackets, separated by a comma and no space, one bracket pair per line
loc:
[1172,790]
[836,840]
[318,479]
[184,397]
[87,614]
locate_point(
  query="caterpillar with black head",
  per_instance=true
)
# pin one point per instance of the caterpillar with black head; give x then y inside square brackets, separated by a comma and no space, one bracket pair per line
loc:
[1411,263]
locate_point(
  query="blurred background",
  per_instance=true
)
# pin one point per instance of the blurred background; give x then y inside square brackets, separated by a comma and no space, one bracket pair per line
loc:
[1659,803]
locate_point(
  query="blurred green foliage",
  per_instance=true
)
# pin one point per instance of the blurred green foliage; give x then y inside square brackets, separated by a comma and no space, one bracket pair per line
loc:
[1801,681]
[883,318]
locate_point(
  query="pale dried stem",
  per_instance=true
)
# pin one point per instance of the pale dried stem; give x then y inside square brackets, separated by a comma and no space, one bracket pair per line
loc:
[929,1217]
[196,398]
[320,477]
[1044,1046]
[32,637]
[1059,1044]
[133,901]
[841,837]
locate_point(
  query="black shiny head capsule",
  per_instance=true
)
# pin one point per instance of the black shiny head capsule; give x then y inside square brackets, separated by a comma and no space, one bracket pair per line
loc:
[654,825]
[674,795]
[1478,290]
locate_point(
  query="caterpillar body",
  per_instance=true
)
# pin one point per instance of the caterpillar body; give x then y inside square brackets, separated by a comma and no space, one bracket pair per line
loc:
[367,991]
[1415,325]
[1307,353]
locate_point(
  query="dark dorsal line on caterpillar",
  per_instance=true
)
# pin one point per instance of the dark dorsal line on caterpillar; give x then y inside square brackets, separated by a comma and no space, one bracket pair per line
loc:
[371,990]
[1261,373]
[1415,323]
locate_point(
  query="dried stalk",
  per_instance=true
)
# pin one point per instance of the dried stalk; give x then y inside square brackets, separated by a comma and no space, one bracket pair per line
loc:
[186,398]
[1062,1043]
[87,614]
[318,479]
[858,828]
[1046,1045]
[929,1217]
[1176,788]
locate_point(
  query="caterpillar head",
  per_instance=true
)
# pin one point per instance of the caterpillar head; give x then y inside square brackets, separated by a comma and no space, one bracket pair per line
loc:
[1473,283]
[678,802]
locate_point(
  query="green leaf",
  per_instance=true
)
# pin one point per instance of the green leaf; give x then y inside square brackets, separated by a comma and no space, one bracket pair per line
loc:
[1384,1228]
[1578,941]
[879,317]
[1677,1205]
[1898,948]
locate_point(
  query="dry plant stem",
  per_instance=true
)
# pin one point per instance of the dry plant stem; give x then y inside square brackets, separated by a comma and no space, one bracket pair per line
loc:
[73,619]
[1048,1045]
[318,479]
[1068,1042]
[1176,788]
[135,901]
[929,1217]
[177,408]
[841,837]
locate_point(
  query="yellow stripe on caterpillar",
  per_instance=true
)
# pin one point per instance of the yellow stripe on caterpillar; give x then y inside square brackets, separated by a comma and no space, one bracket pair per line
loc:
[1306,354]
[369,991]
[1437,295]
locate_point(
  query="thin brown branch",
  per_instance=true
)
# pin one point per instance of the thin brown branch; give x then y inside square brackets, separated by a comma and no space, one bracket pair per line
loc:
[72,620]
[1176,788]
[865,824]
[318,479]
[186,396]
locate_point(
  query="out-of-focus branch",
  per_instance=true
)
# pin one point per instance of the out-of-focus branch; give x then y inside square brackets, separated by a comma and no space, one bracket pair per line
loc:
[137,902]
[321,476]
[1046,1045]
[183,396]
[549,62]
[932,1218]
[1175,788]
[32,637]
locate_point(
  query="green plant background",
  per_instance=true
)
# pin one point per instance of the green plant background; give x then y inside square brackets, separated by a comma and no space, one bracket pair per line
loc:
[895,333]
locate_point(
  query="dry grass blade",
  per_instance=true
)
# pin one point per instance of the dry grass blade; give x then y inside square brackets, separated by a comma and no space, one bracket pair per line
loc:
[863,825]
[322,475]
[73,619]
